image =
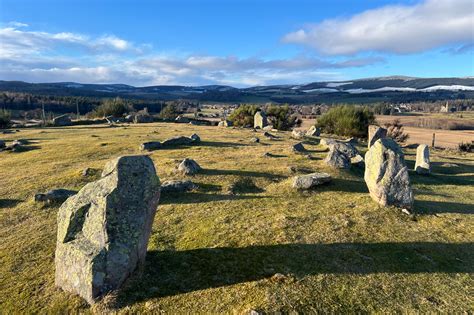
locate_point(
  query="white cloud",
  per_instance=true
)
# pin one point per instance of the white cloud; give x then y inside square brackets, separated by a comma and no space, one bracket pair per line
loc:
[394,29]
[38,56]
[19,42]
[17,24]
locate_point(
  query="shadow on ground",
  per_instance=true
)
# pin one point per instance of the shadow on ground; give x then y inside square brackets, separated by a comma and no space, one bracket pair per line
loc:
[221,144]
[9,203]
[435,207]
[170,272]
[346,185]
[239,173]
[196,197]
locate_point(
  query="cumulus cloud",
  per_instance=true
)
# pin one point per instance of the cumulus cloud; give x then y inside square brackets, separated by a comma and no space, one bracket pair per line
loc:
[38,56]
[17,42]
[393,28]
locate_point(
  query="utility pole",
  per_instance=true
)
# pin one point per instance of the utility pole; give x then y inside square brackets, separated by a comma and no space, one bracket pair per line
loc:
[77,108]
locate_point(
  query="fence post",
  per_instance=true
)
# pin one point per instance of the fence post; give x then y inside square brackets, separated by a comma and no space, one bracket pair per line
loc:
[433,141]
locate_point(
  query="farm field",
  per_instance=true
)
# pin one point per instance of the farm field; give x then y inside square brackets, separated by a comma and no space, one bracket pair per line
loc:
[245,239]
[444,138]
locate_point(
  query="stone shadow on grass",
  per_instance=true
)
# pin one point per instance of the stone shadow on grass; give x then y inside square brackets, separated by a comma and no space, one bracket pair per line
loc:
[170,272]
[8,203]
[240,173]
[345,185]
[435,207]
[196,197]
[221,144]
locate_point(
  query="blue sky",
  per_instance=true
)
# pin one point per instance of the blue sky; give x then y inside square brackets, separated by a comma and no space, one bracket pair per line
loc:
[232,42]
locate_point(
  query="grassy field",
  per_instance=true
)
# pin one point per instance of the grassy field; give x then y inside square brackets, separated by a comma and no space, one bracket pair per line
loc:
[245,240]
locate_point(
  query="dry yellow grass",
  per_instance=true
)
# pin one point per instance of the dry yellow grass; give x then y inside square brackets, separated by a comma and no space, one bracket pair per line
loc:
[270,248]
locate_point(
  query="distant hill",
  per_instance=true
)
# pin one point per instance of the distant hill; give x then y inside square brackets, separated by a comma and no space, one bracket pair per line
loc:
[394,88]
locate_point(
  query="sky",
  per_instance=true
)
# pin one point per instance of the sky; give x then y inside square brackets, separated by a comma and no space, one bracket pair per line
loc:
[233,42]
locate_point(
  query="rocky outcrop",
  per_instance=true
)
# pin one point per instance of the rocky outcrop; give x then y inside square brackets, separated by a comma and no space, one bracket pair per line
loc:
[310,180]
[386,174]
[103,230]
[422,165]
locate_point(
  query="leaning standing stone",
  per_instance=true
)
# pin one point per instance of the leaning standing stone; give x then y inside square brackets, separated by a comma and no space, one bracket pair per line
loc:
[422,165]
[298,148]
[386,175]
[103,230]
[375,133]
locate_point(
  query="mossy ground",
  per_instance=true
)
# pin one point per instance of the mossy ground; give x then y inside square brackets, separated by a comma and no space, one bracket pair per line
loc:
[245,240]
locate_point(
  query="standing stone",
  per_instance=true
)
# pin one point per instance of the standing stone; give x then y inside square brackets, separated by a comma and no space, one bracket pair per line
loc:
[225,123]
[189,167]
[337,159]
[314,131]
[375,133]
[298,147]
[103,230]
[62,120]
[260,120]
[422,165]
[195,138]
[386,174]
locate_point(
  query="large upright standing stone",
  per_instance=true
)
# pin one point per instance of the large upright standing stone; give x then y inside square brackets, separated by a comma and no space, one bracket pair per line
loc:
[386,174]
[422,165]
[260,120]
[376,133]
[103,230]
